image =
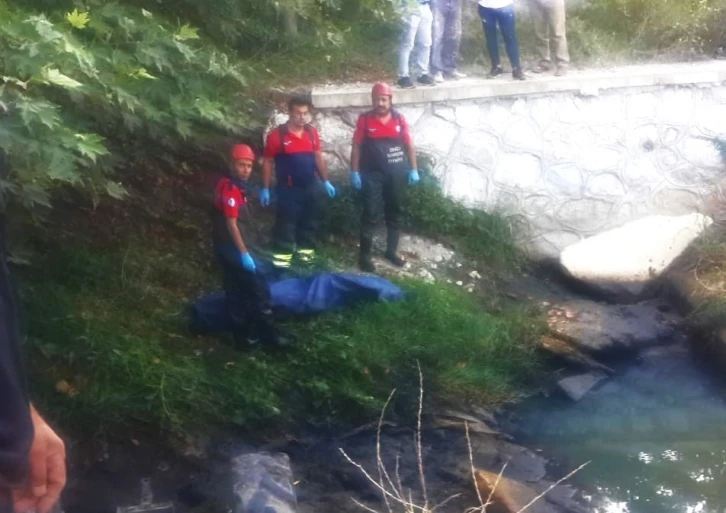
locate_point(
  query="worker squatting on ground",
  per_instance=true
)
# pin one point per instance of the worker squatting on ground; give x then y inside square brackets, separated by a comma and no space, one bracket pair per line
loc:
[247,292]
[383,159]
[293,148]
[32,456]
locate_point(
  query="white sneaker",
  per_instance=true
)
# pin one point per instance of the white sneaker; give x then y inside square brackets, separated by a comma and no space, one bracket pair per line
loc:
[455,75]
[438,77]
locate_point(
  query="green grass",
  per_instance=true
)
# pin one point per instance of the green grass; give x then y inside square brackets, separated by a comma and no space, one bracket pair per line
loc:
[111,324]
[479,235]
[110,347]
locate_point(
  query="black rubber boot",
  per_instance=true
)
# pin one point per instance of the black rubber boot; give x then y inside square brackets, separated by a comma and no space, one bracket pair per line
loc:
[395,259]
[365,262]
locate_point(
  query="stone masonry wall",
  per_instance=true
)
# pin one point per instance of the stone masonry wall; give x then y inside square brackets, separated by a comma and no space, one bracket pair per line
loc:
[568,163]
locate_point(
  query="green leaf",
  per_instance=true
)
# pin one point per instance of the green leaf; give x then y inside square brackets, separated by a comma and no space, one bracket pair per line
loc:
[78,19]
[90,145]
[186,31]
[53,76]
[116,190]
[142,73]
[33,195]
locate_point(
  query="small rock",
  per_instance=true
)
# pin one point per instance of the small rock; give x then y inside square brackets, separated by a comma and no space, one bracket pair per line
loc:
[426,276]
[434,266]
[460,283]
[458,264]
[163,466]
[439,258]
[545,304]
[577,386]
[570,314]
[474,275]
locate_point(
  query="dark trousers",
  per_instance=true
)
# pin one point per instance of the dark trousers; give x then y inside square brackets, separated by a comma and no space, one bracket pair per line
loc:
[248,301]
[295,220]
[382,192]
[503,17]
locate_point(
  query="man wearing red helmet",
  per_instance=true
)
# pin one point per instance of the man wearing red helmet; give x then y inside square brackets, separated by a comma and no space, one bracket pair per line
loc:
[247,292]
[383,158]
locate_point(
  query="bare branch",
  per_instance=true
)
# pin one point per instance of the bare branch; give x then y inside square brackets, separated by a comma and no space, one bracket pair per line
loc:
[551,487]
[419,449]
[471,463]
[382,489]
[370,510]
[381,467]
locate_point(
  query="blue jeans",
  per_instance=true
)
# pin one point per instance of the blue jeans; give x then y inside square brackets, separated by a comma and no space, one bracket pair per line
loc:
[505,18]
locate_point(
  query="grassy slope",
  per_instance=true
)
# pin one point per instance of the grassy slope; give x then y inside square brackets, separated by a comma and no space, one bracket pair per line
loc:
[106,317]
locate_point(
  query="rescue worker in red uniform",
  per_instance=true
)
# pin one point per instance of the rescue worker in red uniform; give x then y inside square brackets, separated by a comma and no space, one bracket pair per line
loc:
[293,148]
[383,159]
[247,292]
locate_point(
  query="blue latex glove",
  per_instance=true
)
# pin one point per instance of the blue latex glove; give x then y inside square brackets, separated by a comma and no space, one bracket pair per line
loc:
[413,177]
[247,262]
[264,196]
[329,188]
[355,180]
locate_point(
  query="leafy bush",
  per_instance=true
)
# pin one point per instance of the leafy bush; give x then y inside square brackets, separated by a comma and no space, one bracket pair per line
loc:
[427,211]
[88,91]
[650,26]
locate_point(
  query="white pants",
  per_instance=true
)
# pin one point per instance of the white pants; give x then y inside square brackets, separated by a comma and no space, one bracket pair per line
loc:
[416,35]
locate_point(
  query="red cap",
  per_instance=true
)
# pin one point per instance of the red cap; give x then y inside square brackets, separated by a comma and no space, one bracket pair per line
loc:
[242,152]
[382,89]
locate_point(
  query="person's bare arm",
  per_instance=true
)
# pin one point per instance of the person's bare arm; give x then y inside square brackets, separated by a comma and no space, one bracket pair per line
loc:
[233,229]
[320,166]
[266,172]
[355,157]
[411,152]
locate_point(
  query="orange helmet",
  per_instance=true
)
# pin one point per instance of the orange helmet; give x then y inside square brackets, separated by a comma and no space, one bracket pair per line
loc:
[242,152]
[381,89]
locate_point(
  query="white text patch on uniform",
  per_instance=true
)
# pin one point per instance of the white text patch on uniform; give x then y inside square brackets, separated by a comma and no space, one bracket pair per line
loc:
[231,202]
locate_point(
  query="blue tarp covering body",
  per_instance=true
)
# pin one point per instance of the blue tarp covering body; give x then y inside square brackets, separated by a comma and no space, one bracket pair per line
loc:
[299,296]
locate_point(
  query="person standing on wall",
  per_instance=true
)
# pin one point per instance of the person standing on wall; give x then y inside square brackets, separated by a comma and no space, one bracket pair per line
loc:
[32,456]
[549,26]
[417,20]
[293,149]
[383,159]
[246,290]
[446,39]
[500,12]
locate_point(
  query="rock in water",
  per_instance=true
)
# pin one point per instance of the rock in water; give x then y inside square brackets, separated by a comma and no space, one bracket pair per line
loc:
[263,484]
[624,260]
[577,386]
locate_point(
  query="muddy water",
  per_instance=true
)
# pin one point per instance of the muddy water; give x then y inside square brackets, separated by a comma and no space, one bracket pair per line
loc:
[655,435]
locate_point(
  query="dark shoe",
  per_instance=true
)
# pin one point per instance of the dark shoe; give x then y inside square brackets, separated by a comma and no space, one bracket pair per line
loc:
[395,259]
[366,265]
[495,72]
[405,83]
[518,74]
[427,80]
[542,67]
[561,71]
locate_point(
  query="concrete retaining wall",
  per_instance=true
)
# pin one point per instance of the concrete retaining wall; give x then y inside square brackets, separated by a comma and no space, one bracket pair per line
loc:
[572,156]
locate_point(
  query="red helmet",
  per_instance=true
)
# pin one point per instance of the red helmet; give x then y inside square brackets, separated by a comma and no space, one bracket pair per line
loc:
[381,89]
[242,152]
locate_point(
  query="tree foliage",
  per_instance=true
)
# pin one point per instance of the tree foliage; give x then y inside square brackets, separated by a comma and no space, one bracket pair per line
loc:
[88,87]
